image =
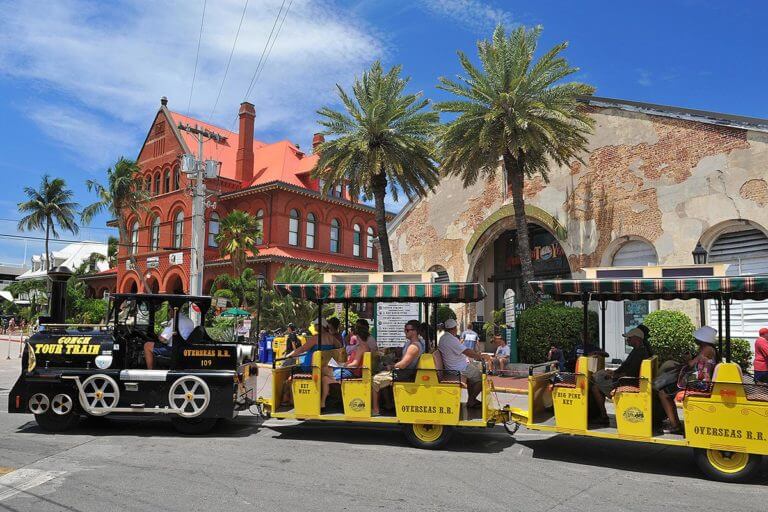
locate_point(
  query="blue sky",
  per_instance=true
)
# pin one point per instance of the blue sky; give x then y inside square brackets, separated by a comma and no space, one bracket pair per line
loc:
[80,83]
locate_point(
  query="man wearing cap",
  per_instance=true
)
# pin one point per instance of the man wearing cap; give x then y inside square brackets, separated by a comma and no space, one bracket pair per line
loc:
[455,357]
[761,356]
[604,381]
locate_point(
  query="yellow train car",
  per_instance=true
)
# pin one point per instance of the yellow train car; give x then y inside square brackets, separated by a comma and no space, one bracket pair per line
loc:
[429,402]
[725,419]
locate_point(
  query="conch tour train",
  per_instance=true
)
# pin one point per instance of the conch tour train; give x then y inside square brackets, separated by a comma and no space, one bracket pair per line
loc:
[432,386]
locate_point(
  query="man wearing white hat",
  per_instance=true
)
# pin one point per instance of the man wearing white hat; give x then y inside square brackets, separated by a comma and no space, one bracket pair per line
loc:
[455,357]
[604,381]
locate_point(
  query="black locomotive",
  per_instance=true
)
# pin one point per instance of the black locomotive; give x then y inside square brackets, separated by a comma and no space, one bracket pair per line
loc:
[73,370]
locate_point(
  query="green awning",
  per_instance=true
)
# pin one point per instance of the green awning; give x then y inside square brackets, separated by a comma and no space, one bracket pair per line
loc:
[384,292]
[235,312]
[735,287]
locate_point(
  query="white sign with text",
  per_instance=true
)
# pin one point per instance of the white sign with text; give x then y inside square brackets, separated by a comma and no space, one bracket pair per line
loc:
[390,321]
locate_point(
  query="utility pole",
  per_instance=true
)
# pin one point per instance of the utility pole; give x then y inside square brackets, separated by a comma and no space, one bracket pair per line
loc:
[197,170]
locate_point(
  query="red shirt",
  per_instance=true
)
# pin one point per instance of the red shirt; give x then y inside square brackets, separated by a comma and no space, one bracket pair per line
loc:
[761,355]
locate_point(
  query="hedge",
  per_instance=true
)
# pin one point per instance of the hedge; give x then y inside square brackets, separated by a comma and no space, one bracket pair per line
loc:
[741,353]
[551,323]
[670,334]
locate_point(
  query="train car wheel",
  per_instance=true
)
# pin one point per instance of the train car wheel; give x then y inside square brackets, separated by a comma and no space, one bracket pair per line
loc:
[100,391]
[727,466]
[427,436]
[62,415]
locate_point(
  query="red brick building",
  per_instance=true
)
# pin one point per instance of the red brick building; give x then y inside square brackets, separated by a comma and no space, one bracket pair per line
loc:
[300,225]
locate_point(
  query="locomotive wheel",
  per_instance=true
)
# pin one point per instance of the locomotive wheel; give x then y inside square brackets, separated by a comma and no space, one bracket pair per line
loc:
[193,426]
[727,466]
[100,391]
[39,403]
[62,415]
[190,396]
[427,436]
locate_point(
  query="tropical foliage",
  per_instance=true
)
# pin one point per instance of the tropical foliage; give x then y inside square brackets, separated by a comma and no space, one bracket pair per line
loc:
[551,323]
[241,289]
[47,207]
[514,109]
[238,235]
[383,140]
[277,312]
[121,197]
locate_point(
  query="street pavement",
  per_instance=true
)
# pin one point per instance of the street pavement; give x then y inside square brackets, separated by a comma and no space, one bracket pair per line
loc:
[130,464]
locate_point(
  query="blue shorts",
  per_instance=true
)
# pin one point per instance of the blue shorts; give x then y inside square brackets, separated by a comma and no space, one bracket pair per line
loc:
[161,349]
[339,373]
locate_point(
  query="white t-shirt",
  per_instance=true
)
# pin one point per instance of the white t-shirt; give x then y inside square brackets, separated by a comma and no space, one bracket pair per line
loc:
[502,351]
[185,329]
[452,351]
[470,338]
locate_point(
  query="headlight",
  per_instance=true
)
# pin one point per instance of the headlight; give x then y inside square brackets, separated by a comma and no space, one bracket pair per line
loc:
[31,359]
[246,353]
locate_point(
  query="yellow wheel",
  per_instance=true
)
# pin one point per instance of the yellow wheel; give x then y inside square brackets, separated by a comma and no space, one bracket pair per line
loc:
[427,436]
[727,466]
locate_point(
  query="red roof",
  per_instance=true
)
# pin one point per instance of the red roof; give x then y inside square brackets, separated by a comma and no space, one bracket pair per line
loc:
[280,161]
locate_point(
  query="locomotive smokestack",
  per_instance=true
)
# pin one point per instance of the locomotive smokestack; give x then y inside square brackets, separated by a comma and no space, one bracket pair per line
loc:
[57,294]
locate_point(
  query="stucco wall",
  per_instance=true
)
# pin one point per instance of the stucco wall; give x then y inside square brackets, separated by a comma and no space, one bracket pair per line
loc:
[666,180]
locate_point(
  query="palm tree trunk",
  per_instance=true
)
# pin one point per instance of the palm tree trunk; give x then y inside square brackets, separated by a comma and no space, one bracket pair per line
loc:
[379,186]
[47,252]
[515,178]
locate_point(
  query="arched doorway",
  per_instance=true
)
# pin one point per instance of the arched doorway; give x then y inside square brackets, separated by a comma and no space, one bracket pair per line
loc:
[622,316]
[154,286]
[497,266]
[174,285]
[442,274]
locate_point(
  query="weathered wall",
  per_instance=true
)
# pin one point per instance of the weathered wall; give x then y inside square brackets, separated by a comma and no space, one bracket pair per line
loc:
[669,181]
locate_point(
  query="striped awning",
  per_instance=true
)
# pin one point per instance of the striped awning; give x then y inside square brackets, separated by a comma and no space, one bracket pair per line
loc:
[384,292]
[734,287]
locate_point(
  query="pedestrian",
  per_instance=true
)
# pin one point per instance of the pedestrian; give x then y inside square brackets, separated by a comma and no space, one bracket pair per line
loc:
[761,356]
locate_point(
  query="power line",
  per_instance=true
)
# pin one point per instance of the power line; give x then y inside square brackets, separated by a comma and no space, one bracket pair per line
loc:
[197,56]
[81,227]
[261,58]
[274,40]
[229,61]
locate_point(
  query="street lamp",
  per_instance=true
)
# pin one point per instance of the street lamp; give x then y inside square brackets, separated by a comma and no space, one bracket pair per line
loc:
[260,279]
[700,258]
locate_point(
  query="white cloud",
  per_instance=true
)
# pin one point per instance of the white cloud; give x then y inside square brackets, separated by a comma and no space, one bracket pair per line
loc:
[475,15]
[102,67]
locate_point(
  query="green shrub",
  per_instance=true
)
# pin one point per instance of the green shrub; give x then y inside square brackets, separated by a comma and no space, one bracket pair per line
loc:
[671,334]
[741,353]
[444,313]
[549,323]
[352,318]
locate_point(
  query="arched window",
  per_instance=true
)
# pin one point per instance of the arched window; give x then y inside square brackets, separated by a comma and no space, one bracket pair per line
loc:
[166,182]
[148,184]
[135,237]
[176,178]
[310,242]
[157,183]
[260,225]
[293,228]
[337,190]
[154,243]
[335,235]
[369,243]
[178,229]
[213,230]
[356,240]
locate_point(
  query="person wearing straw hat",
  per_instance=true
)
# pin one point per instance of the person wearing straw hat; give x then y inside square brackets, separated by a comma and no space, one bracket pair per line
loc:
[695,373]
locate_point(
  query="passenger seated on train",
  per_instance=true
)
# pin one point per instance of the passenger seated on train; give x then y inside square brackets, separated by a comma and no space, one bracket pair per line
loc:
[696,372]
[456,357]
[352,369]
[163,348]
[412,350]
[305,351]
[605,381]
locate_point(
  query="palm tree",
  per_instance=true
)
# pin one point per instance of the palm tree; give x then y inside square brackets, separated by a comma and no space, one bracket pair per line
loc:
[122,195]
[241,289]
[238,235]
[518,111]
[383,139]
[46,207]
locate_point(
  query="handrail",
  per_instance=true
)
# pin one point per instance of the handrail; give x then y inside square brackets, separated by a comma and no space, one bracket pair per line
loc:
[531,367]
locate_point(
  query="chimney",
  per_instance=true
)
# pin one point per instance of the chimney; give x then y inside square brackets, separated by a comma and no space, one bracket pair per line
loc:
[317,139]
[57,295]
[244,166]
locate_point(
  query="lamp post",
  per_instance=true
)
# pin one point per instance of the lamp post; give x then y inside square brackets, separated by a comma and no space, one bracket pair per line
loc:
[700,258]
[260,279]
